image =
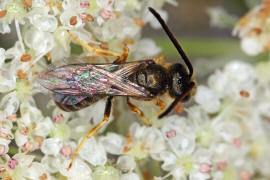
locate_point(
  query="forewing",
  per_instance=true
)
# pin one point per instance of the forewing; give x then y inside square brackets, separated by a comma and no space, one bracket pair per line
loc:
[68,99]
[92,79]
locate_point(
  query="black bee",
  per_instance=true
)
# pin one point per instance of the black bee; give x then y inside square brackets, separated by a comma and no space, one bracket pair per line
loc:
[77,86]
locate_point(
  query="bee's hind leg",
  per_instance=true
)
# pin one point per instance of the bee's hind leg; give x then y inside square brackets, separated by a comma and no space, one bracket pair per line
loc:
[135,109]
[107,113]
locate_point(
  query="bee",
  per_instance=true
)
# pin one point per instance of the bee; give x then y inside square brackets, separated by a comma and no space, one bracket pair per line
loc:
[76,86]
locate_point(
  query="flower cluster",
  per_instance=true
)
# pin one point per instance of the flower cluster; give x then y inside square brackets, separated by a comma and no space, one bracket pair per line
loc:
[224,136]
[253,29]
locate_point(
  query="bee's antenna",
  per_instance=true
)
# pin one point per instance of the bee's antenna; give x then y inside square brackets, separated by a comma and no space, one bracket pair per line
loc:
[173,39]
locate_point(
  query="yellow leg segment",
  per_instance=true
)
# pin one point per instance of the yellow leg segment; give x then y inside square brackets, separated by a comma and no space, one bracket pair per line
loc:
[135,109]
[93,131]
[161,104]
[123,57]
[100,52]
[159,59]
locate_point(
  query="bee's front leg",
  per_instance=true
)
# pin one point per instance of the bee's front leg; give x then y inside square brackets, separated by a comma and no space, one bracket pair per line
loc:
[123,57]
[135,109]
[107,113]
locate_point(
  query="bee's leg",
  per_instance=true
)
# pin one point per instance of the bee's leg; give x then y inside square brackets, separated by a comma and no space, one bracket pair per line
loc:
[94,129]
[135,109]
[159,59]
[177,100]
[100,52]
[123,57]
[161,104]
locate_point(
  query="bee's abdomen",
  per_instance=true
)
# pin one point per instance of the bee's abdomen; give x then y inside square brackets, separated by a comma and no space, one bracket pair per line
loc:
[87,101]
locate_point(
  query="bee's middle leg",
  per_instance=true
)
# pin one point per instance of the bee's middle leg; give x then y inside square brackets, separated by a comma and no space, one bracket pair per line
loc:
[135,109]
[107,113]
[97,51]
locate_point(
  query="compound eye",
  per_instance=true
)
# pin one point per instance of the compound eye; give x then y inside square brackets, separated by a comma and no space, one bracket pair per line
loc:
[179,78]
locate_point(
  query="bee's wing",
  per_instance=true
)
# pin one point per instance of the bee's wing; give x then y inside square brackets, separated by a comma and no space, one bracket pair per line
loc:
[93,79]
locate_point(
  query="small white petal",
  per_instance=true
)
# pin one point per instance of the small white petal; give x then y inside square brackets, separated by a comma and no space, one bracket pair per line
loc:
[34,171]
[251,46]
[51,163]
[4,27]
[44,128]
[23,159]
[41,42]
[208,99]
[45,23]
[9,104]
[20,139]
[51,146]
[93,153]
[130,176]
[169,160]
[2,57]
[78,171]
[113,143]
[126,163]
[228,130]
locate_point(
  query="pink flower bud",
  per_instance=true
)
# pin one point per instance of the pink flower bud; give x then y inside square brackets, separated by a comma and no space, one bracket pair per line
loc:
[106,14]
[66,151]
[237,143]
[2,149]
[221,165]
[58,118]
[84,4]
[12,163]
[205,168]
[170,134]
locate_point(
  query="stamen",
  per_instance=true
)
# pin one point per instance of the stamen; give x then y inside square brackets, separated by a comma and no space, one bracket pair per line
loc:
[73,20]
[244,94]
[19,35]
[139,22]
[27,3]
[3,13]
[26,57]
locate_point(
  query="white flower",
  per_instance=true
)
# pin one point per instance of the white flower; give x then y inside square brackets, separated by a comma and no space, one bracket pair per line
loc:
[145,48]
[130,176]
[251,46]
[106,173]
[43,127]
[237,76]
[113,143]
[51,146]
[35,171]
[208,99]
[9,104]
[42,42]
[79,170]
[126,163]
[93,152]
[40,18]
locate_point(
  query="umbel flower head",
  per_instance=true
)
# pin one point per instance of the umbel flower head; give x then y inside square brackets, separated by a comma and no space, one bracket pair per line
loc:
[224,135]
